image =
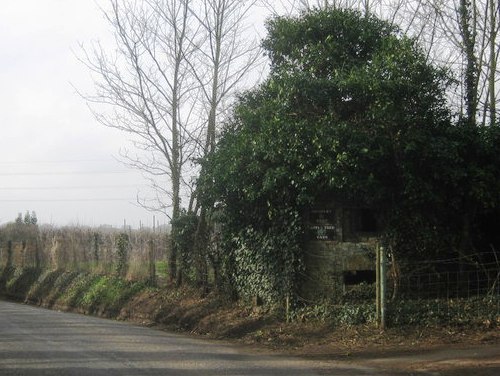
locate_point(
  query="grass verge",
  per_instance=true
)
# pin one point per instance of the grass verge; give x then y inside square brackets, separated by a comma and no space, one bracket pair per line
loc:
[75,291]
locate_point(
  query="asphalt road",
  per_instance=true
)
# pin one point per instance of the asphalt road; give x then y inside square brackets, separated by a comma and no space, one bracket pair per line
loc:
[35,341]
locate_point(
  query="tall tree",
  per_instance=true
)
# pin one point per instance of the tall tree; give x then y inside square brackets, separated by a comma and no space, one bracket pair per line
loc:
[351,110]
[225,59]
[177,66]
[468,24]
[222,65]
[289,7]
[146,90]
[494,9]
[461,35]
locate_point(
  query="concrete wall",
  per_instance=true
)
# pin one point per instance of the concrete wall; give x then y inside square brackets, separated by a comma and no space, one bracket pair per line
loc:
[339,251]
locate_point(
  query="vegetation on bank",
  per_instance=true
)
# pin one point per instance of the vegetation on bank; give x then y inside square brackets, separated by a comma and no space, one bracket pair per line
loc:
[187,309]
[80,291]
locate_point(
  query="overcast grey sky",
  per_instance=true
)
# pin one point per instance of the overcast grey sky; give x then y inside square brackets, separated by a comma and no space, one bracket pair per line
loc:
[54,158]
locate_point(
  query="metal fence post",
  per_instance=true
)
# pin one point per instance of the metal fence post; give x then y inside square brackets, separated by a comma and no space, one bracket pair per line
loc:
[377,284]
[381,271]
[383,288]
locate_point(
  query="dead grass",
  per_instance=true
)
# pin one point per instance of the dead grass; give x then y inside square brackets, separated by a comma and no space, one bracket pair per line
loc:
[186,310]
[446,351]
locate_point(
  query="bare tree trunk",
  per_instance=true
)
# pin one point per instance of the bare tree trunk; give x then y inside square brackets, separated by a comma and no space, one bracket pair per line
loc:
[493,7]
[149,88]
[466,16]
[227,58]
[175,271]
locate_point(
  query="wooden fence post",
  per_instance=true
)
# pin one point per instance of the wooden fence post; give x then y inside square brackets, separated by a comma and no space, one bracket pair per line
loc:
[152,264]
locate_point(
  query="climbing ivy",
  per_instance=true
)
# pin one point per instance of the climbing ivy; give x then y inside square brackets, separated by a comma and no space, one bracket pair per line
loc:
[352,110]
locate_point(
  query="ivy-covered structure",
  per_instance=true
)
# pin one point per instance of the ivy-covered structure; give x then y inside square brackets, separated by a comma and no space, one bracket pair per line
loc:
[351,108]
[339,250]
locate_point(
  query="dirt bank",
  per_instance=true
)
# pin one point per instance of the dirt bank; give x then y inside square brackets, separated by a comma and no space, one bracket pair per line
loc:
[405,351]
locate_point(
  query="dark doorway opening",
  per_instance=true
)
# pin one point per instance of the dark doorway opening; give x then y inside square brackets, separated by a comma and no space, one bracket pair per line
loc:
[356,277]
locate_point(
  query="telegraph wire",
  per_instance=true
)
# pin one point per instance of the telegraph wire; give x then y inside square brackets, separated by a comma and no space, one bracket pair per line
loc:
[62,173]
[71,187]
[56,161]
[70,200]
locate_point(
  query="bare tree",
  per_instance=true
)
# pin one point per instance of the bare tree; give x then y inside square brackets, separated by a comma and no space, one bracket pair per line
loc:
[145,89]
[223,64]
[461,35]
[226,59]
[177,65]
[494,25]
[290,7]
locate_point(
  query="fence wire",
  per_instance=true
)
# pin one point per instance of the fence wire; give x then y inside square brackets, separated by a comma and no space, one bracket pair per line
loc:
[462,290]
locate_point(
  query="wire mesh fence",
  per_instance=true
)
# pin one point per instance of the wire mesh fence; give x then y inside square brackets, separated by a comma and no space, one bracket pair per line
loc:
[452,291]
[462,290]
[451,284]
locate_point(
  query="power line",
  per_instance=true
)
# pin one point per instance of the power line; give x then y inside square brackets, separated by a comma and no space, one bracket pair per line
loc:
[61,173]
[70,200]
[62,161]
[71,187]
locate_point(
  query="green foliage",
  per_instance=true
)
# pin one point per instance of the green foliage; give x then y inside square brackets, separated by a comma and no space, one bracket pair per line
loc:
[5,276]
[348,314]
[75,292]
[19,219]
[454,197]
[18,281]
[266,264]
[161,268]
[435,312]
[359,293]
[84,291]
[355,110]
[122,245]
[354,314]
[183,238]
[29,219]
[351,110]
[109,294]
[457,312]
[50,286]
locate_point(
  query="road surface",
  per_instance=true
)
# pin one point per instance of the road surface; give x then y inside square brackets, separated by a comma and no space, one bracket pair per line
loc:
[35,341]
